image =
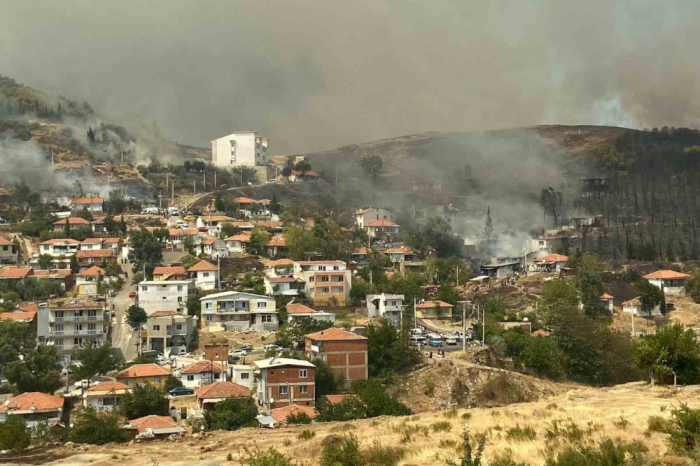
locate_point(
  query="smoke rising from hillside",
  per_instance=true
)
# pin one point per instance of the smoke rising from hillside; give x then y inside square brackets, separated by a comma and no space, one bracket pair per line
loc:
[316,75]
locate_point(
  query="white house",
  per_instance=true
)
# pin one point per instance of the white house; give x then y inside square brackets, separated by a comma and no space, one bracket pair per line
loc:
[285,286]
[179,235]
[634,306]
[205,275]
[33,408]
[91,203]
[398,255]
[214,247]
[242,375]
[237,244]
[240,311]
[551,262]
[670,281]
[105,396]
[382,227]
[363,217]
[88,280]
[91,244]
[154,296]
[296,311]
[385,306]
[547,243]
[606,302]
[60,250]
[202,373]
[240,149]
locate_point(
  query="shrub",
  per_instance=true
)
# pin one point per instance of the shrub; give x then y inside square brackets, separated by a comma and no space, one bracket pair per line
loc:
[442,426]
[658,424]
[341,450]
[269,457]
[521,434]
[96,428]
[621,423]
[379,455]
[429,386]
[466,450]
[608,453]
[451,414]
[569,431]
[298,418]
[13,434]
[685,431]
[145,400]
[306,434]
[231,414]
[501,390]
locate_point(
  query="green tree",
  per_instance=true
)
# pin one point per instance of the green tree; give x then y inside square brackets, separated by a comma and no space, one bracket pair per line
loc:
[228,230]
[15,338]
[231,414]
[136,315]
[373,165]
[94,360]
[672,349]
[258,239]
[144,400]
[543,356]
[38,371]
[650,297]
[91,427]
[293,332]
[14,435]
[188,244]
[304,166]
[388,349]
[122,225]
[301,243]
[343,451]
[147,249]
[466,450]
[171,382]
[111,225]
[188,261]
[377,401]
[327,382]
[45,261]
[74,267]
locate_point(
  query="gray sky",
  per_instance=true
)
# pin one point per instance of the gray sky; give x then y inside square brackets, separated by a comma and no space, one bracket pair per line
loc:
[317,74]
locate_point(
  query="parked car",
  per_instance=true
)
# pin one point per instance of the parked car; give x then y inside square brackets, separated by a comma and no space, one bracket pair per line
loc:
[150,211]
[451,340]
[132,295]
[237,354]
[271,347]
[202,229]
[245,347]
[173,212]
[181,391]
[99,298]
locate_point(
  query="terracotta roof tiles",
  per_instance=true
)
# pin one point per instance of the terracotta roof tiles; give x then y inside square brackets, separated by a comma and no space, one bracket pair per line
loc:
[143,370]
[333,334]
[222,390]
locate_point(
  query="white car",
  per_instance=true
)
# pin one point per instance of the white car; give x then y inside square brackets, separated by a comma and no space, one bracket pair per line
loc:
[237,354]
[182,224]
[451,340]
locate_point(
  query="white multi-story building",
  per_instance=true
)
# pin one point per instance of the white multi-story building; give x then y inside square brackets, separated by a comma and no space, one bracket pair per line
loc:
[385,306]
[169,332]
[363,217]
[72,324]
[240,311]
[163,295]
[241,374]
[205,275]
[59,249]
[240,149]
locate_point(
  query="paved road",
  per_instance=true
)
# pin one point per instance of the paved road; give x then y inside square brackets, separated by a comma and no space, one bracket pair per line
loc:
[124,339]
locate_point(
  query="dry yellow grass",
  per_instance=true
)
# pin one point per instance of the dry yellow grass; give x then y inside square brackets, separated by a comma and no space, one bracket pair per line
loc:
[597,412]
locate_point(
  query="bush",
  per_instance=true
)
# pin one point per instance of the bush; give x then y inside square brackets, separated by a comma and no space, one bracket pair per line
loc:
[96,428]
[144,400]
[231,414]
[466,450]
[270,457]
[685,431]
[378,455]
[442,426]
[608,453]
[298,418]
[13,434]
[306,434]
[341,450]
[501,390]
[521,434]
[658,424]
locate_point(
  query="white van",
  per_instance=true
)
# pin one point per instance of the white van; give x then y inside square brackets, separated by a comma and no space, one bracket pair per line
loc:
[150,211]
[173,212]
[417,340]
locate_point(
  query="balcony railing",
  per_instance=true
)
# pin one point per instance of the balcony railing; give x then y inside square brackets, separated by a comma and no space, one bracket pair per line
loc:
[102,316]
[76,332]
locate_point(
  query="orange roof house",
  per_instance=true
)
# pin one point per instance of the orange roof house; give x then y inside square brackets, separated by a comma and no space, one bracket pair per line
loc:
[281,414]
[382,223]
[298,308]
[203,266]
[667,275]
[551,258]
[143,373]
[32,403]
[93,271]
[334,334]
[72,221]
[170,272]
[159,426]
[202,367]
[87,200]
[14,273]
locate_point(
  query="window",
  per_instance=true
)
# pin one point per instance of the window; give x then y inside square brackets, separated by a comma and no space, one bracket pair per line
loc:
[302,373]
[266,318]
[311,279]
[207,317]
[144,288]
[325,279]
[322,268]
[179,287]
[91,327]
[245,376]
[190,378]
[157,380]
[178,326]
[179,299]
[284,390]
[205,274]
[262,303]
[304,389]
[156,328]
[336,267]
[4,248]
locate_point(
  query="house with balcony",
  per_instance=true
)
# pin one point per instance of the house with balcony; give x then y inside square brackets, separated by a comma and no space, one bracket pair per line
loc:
[202,373]
[363,217]
[169,332]
[326,282]
[71,324]
[16,274]
[93,257]
[285,382]
[105,396]
[381,228]
[205,275]
[669,281]
[398,255]
[91,244]
[171,295]
[89,203]
[276,246]
[59,249]
[9,253]
[70,223]
[239,311]
[33,408]
[285,286]
[279,268]
[385,306]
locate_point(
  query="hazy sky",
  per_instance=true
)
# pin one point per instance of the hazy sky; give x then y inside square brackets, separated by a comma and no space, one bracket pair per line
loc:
[317,74]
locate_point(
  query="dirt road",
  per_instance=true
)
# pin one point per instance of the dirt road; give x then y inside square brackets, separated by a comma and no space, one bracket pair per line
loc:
[124,339]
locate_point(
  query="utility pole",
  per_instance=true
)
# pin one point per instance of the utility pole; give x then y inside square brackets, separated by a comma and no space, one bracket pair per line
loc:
[214,178]
[464,327]
[457,276]
[218,275]
[122,151]
[172,202]
[483,327]
[415,316]
[632,324]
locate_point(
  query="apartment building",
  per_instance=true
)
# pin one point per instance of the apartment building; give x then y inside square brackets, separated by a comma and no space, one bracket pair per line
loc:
[344,351]
[385,306]
[154,296]
[169,332]
[284,382]
[60,250]
[240,311]
[240,149]
[71,324]
[326,282]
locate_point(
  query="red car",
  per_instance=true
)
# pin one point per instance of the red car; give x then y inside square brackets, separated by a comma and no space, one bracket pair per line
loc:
[203,229]
[132,294]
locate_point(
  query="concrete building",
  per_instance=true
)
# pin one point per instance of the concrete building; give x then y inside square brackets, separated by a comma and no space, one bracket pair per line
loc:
[285,286]
[634,306]
[169,332]
[500,270]
[344,351]
[242,375]
[60,250]
[380,228]
[285,382]
[69,325]
[434,310]
[214,247]
[671,282]
[385,306]
[205,275]
[169,273]
[325,281]
[95,257]
[105,396]
[33,408]
[154,296]
[237,244]
[551,262]
[240,311]
[240,149]
[88,280]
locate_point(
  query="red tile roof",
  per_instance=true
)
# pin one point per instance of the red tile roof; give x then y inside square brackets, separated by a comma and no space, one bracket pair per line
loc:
[209,241]
[335,399]
[398,251]
[176,270]
[552,258]
[111,240]
[143,370]
[222,390]
[382,223]
[4,242]
[281,414]
[320,262]
[61,241]
[666,275]
[203,266]
[298,308]
[72,221]
[281,279]
[164,314]
[108,387]
[606,296]
[154,422]
[87,200]
[245,200]
[242,237]
[280,263]
[540,333]
[19,316]
[182,232]
[32,400]
[94,253]
[92,241]
[203,367]
[16,272]
[306,173]
[93,271]
[433,304]
[333,334]
[277,241]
